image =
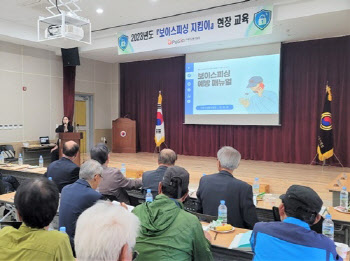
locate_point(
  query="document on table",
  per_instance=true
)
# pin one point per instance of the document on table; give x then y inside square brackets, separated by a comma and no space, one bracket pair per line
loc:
[242,241]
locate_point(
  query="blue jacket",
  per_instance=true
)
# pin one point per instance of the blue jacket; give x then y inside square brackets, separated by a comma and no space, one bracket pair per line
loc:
[75,198]
[290,240]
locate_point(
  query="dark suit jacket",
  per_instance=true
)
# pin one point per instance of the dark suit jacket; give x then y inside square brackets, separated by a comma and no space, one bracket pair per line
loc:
[60,129]
[75,198]
[238,195]
[151,179]
[63,172]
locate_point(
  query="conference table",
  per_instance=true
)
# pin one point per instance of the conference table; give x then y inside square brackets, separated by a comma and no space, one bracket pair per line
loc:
[224,239]
[335,186]
[264,207]
[31,153]
[9,200]
[22,172]
[265,213]
[221,242]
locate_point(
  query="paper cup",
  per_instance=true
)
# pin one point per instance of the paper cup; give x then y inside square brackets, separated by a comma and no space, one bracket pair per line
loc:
[342,249]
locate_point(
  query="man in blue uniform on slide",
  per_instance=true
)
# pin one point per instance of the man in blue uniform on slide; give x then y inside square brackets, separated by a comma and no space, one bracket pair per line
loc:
[263,102]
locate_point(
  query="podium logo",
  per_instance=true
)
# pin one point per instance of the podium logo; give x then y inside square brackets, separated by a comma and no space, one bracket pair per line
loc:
[123,134]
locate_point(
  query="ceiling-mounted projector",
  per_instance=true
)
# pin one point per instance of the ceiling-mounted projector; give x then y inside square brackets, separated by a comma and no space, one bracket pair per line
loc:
[70,31]
[64,29]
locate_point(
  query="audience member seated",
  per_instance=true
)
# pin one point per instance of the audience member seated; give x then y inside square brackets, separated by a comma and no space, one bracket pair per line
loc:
[167,231]
[151,179]
[106,232]
[292,238]
[237,194]
[8,184]
[36,203]
[64,171]
[80,195]
[113,181]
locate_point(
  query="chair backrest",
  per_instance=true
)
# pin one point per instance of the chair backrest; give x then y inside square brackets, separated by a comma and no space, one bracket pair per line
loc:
[135,201]
[110,197]
[203,217]
[276,214]
[225,254]
[15,224]
[318,226]
[9,151]
[2,187]
[190,204]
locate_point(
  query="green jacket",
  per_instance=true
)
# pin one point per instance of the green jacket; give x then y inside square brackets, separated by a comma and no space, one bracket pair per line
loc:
[169,233]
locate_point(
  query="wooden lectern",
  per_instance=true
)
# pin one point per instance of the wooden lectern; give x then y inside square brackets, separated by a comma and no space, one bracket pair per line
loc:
[124,135]
[67,136]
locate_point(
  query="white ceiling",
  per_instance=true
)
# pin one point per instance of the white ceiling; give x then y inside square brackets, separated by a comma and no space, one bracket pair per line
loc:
[294,20]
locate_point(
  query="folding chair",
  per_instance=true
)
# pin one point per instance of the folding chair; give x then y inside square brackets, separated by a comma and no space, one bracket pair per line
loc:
[9,153]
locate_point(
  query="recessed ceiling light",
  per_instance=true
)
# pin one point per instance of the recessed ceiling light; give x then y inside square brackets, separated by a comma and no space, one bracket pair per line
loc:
[99,10]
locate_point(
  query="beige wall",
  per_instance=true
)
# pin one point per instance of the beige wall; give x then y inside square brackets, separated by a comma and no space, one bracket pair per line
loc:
[40,108]
[102,81]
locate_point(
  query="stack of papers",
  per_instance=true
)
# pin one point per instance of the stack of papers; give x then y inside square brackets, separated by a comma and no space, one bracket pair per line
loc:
[130,208]
[242,241]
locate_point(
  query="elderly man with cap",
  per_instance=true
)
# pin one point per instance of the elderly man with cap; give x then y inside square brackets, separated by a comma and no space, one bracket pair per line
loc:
[292,238]
[167,231]
[262,101]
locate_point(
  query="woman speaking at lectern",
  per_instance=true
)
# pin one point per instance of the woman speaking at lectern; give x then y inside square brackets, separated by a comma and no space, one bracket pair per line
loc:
[64,127]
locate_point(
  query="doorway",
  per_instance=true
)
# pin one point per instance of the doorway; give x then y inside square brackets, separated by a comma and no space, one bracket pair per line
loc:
[83,118]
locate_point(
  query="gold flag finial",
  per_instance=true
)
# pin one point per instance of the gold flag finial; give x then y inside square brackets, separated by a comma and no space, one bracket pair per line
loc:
[328,90]
[160,97]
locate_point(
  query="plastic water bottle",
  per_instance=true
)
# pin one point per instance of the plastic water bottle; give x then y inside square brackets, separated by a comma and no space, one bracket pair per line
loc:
[2,157]
[20,160]
[50,178]
[149,196]
[123,169]
[328,227]
[63,230]
[222,212]
[344,198]
[256,186]
[41,161]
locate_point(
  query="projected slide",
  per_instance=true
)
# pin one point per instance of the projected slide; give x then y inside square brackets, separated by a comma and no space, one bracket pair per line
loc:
[237,86]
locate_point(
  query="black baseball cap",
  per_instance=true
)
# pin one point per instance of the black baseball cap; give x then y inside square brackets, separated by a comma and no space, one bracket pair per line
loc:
[303,197]
[176,172]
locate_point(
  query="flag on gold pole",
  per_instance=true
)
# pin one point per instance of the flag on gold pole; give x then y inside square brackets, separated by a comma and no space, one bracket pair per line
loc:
[159,136]
[325,136]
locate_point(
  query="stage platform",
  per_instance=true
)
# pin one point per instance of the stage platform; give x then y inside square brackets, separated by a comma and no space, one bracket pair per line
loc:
[278,175]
